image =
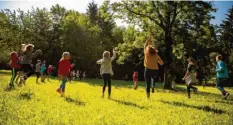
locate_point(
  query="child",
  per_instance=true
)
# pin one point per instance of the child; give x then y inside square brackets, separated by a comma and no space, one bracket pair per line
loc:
[49,71]
[43,71]
[135,80]
[222,76]
[84,75]
[190,76]
[64,71]
[15,67]
[106,70]
[38,68]
[77,74]
[26,61]
[80,75]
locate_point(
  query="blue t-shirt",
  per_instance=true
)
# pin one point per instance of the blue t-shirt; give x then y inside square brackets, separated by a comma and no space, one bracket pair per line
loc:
[43,68]
[222,70]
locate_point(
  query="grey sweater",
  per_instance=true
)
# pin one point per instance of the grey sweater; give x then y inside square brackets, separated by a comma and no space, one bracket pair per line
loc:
[27,57]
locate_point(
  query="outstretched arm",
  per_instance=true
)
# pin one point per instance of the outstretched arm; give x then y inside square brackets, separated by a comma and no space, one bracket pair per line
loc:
[114,55]
[148,41]
[99,61]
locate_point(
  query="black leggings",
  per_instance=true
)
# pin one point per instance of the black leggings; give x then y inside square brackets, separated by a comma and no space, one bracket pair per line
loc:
[27,69]
[148,75]
[189,87]
[107,80]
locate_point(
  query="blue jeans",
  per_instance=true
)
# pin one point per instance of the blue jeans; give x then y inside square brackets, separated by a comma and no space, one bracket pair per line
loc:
[219,85]
[149,75]
[63,83]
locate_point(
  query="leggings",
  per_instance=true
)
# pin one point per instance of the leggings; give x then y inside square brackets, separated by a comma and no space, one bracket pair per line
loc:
[107,80]
[28,70]
[189,87]
[148,75]
[14,73]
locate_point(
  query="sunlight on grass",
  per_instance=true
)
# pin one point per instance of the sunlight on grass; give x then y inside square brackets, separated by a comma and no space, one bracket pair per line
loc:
[41,104]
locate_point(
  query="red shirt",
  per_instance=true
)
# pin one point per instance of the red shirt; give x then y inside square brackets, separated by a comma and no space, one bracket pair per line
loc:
[50,68]
[15,60]
[64,67]
[135,75]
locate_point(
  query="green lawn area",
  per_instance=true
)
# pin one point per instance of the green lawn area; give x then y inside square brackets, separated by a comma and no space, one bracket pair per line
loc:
[40,104]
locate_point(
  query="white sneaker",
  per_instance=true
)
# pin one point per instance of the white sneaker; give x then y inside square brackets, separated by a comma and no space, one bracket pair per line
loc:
[227,94]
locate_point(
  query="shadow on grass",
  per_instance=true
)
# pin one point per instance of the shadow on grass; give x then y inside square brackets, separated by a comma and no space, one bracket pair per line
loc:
[77,102]
[228,101]
[183,90]
[26,96]
[128,103]
[204,108]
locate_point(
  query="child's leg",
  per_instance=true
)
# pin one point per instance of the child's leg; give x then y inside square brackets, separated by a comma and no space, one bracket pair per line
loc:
[220,87]
[64,80]
[12,77]
[188,90]
[105,82]
[109,85]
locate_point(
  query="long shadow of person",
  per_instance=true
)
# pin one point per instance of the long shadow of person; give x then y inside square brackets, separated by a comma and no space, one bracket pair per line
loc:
[128,103]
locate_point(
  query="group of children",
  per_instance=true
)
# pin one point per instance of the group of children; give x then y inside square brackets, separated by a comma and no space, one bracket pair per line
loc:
[23,66]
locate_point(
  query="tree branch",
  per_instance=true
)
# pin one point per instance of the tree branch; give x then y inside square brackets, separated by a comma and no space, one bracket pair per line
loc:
[144,15]
[162,21]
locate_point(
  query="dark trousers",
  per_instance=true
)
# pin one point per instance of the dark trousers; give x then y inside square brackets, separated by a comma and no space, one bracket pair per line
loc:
[189,87]
[27,69]
[148,75]
[107,81]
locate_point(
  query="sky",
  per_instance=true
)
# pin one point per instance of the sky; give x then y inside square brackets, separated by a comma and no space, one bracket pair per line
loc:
[81,6]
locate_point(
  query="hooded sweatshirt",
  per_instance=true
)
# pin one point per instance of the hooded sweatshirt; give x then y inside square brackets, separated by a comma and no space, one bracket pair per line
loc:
[106,65]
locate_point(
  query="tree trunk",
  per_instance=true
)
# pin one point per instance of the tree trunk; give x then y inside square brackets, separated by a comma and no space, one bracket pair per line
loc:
[168,61]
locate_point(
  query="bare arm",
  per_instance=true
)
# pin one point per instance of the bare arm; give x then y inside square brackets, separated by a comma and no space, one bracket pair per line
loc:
[160,61]
[114,55]
[148,41]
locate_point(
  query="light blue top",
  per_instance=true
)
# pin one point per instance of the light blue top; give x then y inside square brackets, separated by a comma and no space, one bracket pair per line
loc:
[222,70]
[43,68]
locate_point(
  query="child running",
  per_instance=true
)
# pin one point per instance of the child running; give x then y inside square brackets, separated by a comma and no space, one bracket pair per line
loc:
[26,61]
[135,80]
[222,76]
[64,71]
[106,70]
[15,67]
[38,68]
[190,76]
[43,71]
[49,71]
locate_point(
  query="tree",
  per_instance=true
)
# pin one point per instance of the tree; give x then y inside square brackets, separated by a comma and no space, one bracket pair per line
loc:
[92,12]
[166,15]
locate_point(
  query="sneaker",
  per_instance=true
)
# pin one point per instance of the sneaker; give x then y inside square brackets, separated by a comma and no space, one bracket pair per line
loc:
[102,95]
[195,90]
[226,95]
[109,97]
[153,89]
[148,95]
[22,80]
[59,90]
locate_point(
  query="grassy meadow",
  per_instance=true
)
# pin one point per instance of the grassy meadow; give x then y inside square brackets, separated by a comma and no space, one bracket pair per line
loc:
[40,104]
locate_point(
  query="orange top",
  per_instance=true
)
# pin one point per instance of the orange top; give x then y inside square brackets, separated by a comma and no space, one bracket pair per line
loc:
[151,61]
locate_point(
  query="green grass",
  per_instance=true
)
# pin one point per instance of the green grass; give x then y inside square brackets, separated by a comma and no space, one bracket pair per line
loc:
[35,104]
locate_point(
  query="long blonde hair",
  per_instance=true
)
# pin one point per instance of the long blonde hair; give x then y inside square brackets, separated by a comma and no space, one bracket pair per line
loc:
[65,55]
